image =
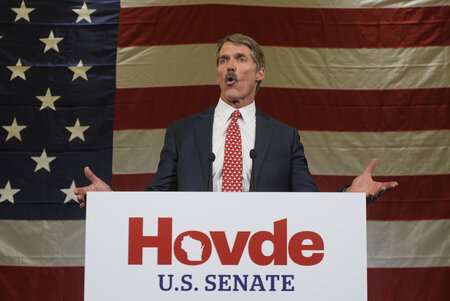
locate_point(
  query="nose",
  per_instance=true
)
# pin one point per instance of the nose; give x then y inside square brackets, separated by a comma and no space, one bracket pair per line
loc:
[230,65]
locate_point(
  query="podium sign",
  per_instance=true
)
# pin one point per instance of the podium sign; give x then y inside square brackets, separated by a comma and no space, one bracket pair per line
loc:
[225,246]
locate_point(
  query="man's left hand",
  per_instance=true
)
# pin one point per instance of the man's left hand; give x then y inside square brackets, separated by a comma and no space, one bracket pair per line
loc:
[365,183]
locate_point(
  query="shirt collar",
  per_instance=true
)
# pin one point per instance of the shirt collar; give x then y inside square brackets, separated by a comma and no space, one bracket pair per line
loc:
[223,111]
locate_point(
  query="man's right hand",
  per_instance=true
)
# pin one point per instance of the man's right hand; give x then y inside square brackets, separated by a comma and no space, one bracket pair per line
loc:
[96,185]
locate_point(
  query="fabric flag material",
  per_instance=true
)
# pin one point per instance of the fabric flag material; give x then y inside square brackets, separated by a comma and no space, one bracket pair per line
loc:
[57,87]
[359,79]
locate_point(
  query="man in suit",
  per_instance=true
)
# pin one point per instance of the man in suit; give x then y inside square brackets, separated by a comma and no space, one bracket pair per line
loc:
[192,143]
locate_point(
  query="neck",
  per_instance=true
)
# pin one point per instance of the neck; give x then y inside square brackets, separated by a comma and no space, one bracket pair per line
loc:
[238,103]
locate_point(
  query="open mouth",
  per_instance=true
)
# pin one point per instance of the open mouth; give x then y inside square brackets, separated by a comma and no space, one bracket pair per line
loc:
[231,79]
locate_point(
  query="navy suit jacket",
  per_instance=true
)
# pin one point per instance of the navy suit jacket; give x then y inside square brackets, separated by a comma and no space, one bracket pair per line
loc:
[280,164]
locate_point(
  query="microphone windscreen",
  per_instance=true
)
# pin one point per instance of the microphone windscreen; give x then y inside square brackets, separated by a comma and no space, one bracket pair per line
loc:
[211,157]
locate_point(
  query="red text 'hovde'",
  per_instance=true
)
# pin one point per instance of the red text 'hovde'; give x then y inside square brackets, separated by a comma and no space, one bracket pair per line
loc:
[282,247]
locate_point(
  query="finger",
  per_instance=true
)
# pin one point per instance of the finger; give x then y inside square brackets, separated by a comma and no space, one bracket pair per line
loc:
[392,184]
[81,190]
[90,175]
[386,188]
[387,185]
[81,198]
[371,166]
[381,193]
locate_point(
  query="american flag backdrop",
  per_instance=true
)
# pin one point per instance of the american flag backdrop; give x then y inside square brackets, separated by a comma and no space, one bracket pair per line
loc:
[97,82]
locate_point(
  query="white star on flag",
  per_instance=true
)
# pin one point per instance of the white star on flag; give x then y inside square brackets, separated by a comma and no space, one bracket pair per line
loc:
[48,100]
[22,12]
[84,13]
[51,42]
[70,194]
[8,193]
[77,131]
[18,70]
[14,130]
[79,71]
[43,161]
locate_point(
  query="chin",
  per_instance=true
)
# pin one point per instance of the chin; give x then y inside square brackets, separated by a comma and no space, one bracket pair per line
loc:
[232,96]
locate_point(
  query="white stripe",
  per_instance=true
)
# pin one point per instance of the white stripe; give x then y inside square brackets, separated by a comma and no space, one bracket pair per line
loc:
[398,153]
[175,65]
[61,243]
[382,68]
[137,151]
[292,3]
[422,243]
[42,243]
[328,153]
[288,67]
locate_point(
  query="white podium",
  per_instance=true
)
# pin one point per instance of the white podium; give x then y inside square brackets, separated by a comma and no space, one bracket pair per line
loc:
[225,246]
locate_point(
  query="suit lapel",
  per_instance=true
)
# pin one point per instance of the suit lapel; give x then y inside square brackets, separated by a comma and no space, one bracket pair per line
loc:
[203,137]
[264,130]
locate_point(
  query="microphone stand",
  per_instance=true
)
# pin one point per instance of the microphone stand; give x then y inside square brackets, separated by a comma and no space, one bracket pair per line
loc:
[253,180]
[211,159]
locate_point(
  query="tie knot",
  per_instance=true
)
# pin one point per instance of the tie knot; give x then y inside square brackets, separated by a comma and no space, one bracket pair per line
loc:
[236,115]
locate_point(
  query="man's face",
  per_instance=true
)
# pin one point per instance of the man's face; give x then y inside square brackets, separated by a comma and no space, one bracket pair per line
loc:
[236,75]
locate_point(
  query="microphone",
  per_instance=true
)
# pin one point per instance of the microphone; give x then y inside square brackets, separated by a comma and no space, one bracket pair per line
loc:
[211,159]
[253,157]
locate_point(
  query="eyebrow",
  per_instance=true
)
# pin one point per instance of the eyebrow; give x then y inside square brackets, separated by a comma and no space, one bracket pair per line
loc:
[239,54]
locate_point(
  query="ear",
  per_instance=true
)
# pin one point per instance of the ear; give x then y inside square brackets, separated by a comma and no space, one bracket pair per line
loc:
[260,74]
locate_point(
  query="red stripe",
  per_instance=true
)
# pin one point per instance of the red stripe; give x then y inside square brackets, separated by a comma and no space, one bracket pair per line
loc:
[156,107]
[286,26]
[416,197]
[41,283]
[305,109]
[131,182]
[407,284]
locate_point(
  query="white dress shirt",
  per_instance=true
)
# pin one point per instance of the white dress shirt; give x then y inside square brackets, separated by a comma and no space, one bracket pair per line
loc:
[247,125]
